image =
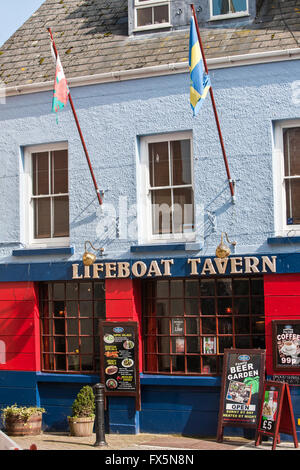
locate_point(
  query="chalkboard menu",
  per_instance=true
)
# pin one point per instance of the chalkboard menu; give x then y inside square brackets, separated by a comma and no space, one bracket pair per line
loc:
[286,345]
[241,391]
[119,359]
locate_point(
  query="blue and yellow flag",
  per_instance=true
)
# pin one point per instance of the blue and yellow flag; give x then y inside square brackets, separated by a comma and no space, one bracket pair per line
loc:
[200,81]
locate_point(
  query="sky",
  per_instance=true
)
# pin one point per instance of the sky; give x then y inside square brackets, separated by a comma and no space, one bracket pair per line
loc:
[13,14]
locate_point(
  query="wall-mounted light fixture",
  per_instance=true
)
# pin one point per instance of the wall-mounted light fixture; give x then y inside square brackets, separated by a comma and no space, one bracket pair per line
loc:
[223,250]
[89,258]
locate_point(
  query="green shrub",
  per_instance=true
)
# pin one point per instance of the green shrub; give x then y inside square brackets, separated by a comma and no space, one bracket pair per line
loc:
[23,413]
[84,404]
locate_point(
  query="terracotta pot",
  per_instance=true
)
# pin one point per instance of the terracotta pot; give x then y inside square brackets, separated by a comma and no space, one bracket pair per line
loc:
[81,427]
[15,426]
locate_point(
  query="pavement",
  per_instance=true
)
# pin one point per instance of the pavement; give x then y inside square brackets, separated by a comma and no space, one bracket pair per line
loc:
[48,441]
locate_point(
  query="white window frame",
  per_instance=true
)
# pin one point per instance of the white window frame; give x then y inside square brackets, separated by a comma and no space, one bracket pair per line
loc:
[144,205]
[281,226]
[27,228]
[238,14]
[138,5]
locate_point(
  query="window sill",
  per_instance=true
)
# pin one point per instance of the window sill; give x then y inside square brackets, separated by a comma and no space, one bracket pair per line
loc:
[166,247]
[228,17]
[283,240]
[65,377]
[180,380]
[68,250]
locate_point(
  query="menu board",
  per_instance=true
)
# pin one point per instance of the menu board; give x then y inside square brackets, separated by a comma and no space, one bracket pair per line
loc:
[119,358]
[241,391]
[286,345]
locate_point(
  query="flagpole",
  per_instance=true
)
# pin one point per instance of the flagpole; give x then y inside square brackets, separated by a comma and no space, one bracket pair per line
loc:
[79,130]
[214,108]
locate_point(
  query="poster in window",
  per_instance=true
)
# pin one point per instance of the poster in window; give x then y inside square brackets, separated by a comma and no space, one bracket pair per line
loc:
[286,344]
[179,345]
[177,326]
[209,345]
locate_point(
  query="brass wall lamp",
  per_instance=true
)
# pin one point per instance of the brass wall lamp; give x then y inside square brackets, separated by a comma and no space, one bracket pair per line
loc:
[89,258]
[223,251]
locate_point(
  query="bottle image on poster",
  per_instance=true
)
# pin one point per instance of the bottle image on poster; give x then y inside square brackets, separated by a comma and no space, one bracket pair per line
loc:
[269,410]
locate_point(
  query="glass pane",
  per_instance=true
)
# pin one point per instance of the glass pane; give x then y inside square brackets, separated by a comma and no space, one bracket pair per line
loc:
[59,308]
[144,16]
[42,218]
[243,342]
[58,291]
[238,5]
[59,327]
[176,307]
[40,173]
[177,326]
[224,306]
[257,286]
[258,324]
[60,171]
[291,140]
[208,306]
[178,364]
[192,344]
[241,306]
[208,325]
[86,345]
[99,311]
[258,341]
[191,307]
[86,291]
[258,306]
[86,327]
[181,162]
[73,362]
[72,309]
[224,287]
[87,362]
[183,210]
[225,342]
[225,326]
[191,288]
[207,287]
[178,345]
[99,290]
[61,216]
[73,344]
[162,307]
[240,286]
[242,325]
[72,327]
[59,344]
[192,326]
[86,309]
[193,364]
[71,290]
[292,188]
[176,288]
[163,327]
[220,7]
[162,289]
[164,363]
[151,363]
[161,14]
[161,211]
[159,164]
[209,365]
[60,361]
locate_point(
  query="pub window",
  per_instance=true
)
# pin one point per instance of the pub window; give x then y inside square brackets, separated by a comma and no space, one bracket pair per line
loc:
[166,187]
[150,14]
[189,323]
[47,204]
[287,177]
[228,8]
[70,314]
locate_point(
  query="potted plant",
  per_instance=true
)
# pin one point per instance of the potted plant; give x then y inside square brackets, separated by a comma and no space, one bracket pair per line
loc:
[22,420]
[81,422]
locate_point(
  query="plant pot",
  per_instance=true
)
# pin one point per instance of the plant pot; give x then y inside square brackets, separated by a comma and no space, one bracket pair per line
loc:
[81,427]
[15,426]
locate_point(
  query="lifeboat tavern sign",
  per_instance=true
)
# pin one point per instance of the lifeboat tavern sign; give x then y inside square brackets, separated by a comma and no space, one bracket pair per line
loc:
[177,267]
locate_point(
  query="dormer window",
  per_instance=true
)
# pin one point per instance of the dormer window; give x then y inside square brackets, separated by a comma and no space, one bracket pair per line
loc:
[150,14]
[222,9]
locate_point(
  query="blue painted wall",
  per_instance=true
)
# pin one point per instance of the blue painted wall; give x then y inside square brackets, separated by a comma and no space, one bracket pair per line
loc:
[114,115]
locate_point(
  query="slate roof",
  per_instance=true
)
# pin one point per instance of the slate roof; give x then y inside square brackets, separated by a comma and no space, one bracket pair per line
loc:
[92,38]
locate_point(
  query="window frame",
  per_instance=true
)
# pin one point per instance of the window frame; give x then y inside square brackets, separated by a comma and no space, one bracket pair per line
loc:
[144,206]
[151,315]
[227,15]
[27,190]
[138,5]
[279,178]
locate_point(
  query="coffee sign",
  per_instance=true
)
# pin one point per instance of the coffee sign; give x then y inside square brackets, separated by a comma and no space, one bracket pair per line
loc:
[286,345]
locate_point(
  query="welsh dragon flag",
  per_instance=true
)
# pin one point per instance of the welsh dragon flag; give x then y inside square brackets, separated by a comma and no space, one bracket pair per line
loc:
[61,89]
